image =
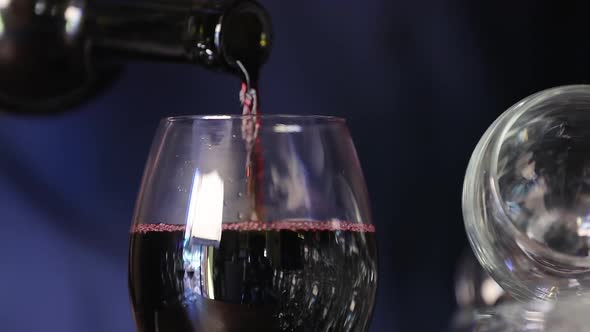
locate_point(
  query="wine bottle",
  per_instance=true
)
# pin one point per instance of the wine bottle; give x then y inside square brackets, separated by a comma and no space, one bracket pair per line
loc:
[55,54]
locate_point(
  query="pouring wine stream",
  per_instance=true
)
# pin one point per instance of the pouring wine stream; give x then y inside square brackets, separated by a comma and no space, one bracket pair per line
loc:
[250,104]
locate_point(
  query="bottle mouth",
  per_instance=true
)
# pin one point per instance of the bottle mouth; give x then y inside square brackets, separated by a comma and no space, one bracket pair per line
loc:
[245,36]
[495,140]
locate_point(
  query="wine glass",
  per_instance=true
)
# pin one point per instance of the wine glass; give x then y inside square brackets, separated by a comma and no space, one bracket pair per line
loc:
[252,223]
[526,205]
[526,198]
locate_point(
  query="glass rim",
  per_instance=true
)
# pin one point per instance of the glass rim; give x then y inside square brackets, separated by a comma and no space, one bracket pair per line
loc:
[224,117]
[501,128]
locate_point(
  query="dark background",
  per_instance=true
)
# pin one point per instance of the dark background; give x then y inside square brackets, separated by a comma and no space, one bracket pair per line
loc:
[419,81]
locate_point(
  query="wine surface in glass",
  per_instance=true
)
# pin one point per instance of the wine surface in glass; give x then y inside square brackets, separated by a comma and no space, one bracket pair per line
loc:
[283,276]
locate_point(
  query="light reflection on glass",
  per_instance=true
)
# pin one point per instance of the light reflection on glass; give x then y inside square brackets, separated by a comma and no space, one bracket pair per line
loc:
[203,228]
[73,16]
[508,263]
[283,128]
[217,34]
[205,210]
[491,292]
[474,288]
[216,117]
[40,7]
[3,5]
[209,273]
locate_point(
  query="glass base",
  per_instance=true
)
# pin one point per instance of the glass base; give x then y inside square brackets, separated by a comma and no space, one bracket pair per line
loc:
[566,315]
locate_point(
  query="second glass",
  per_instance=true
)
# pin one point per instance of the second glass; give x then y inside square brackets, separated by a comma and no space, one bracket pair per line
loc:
[248,223]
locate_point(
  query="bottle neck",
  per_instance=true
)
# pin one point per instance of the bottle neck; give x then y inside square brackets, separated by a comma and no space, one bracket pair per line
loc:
[59,53]
[181,33]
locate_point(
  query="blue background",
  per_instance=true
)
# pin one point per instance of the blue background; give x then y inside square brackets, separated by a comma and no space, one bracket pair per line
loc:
[418,80]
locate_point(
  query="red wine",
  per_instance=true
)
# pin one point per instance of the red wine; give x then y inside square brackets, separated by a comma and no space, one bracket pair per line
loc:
[284,276]
[249,100]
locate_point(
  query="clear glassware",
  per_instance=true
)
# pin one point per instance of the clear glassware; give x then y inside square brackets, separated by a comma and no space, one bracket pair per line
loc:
[474,288]
[526,198]
[568,314]
[475,291]
[252,223]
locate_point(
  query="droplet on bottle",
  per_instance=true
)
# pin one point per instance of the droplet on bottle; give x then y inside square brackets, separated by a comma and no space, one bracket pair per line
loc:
[240,194]
[240,216]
